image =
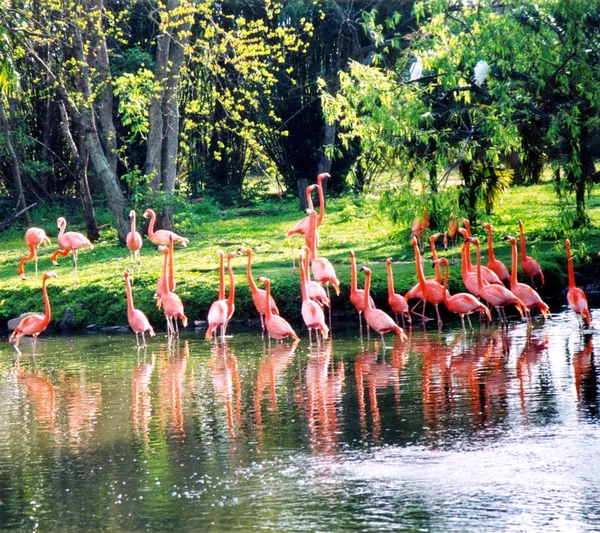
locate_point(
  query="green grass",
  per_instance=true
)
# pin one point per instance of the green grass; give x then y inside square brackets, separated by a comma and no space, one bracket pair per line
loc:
[350,223]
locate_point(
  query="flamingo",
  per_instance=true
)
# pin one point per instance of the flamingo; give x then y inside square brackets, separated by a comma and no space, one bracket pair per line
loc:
[136,318]
[222,310]
[576,298]
[315,290]
[487,274]
[462,303]
[418,228]
[35,323]
[172,305]
[71,241]
[416,292]
[377,319]
[531,268]
[161,287]
[494,264]
[322,269]
[161,236]
[431,290]
[33,238]
[303,226]
[525,293]
[469,277]
[277,327]
[497,295]
[134,242]
[258,295]
[312,312]
[397,302]
[357,296]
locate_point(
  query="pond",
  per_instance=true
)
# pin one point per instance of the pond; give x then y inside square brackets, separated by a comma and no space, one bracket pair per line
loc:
[447,432]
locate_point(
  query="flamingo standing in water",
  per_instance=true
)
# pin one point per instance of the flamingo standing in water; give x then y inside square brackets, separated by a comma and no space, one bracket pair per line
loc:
[357,296]
[222,310]
[277,327]
[322,269]
[531,268]
[525,293]
[161,284]
[431,290]
[312,312]
[377,319]
[397,302]
[161,236]
[497,295]
[136,318]
[33,238]
[494,264]
[172,305]
[35,323]
[576,298]
[259,296]
[134,242]
[462,303]
[315,290]
[71,241]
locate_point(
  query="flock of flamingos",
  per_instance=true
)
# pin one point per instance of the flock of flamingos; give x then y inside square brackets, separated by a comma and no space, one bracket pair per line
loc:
[485,284]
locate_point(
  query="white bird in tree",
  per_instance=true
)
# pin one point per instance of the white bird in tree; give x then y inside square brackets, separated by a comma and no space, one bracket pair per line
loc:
[416,69]
[481,70]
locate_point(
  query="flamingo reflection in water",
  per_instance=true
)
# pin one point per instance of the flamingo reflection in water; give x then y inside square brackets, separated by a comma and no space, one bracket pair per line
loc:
[40,393]
[271,367]
[378,375]
[584,371]
[227,383]
[141,397]
[324,384]
[528,365]
[171,388]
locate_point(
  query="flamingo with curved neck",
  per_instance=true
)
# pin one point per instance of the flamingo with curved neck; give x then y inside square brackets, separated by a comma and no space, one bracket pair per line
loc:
[576,298]
[71,241]
[397,302]
[494,264]
[172,305]
[312,312]
[531,268]
[357,296]
[161,236]
[34,237]
[134,242]
[138,321]
[277,326]
[222,310]
[432,291]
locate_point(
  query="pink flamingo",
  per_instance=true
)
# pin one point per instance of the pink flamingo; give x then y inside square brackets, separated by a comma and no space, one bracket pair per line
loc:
[462,303]
[497,295]
[357,296]
[137,319]
[134,242]
[531,268]
[312,312]
[470,279]
[494,264]
[322,269]
[35,323]
[277,327]
[315,291]
[33,238]
[377,319]
[431,290]
[161,287]
[487,274]
[172,305]
[222,309]
[397,302]
[71,241]
[259,296]
[525,293]
[576,298]
[161,236]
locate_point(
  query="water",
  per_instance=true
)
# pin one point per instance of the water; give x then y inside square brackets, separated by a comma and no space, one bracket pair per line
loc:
[449,432]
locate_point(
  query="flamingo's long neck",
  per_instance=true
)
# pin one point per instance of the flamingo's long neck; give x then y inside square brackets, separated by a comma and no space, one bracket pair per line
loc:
[129,296]
[253,287]
[321,203]
[164,273]
[62,227]
[446,276]
[490,246]
[231,297]
[366,302]
[47,311]
[479,266]
[468,256]
[171,279]
[268,313]
[464,265]
[133,222]
[303,282]
[313,234]
[221,277]
[513,270]
[522,239]
[353,283]
[26,258]
[570,270]
[420,273]
[151,224]
[309,201]
[438,270]
[390,280]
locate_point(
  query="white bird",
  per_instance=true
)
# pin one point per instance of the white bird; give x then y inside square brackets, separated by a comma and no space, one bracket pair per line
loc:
[416,69]
[481,70]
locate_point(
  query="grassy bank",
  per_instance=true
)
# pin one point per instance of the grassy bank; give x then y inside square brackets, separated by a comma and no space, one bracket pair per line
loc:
[350,223]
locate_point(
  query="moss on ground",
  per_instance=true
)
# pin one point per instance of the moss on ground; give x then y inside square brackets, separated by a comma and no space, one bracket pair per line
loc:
[350,223]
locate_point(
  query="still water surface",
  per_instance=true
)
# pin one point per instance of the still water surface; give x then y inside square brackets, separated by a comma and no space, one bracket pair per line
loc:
[448,432]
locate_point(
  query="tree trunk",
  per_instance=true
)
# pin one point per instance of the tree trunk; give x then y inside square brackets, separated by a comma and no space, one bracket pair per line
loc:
[302,183]
[14,161]
[468,193]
